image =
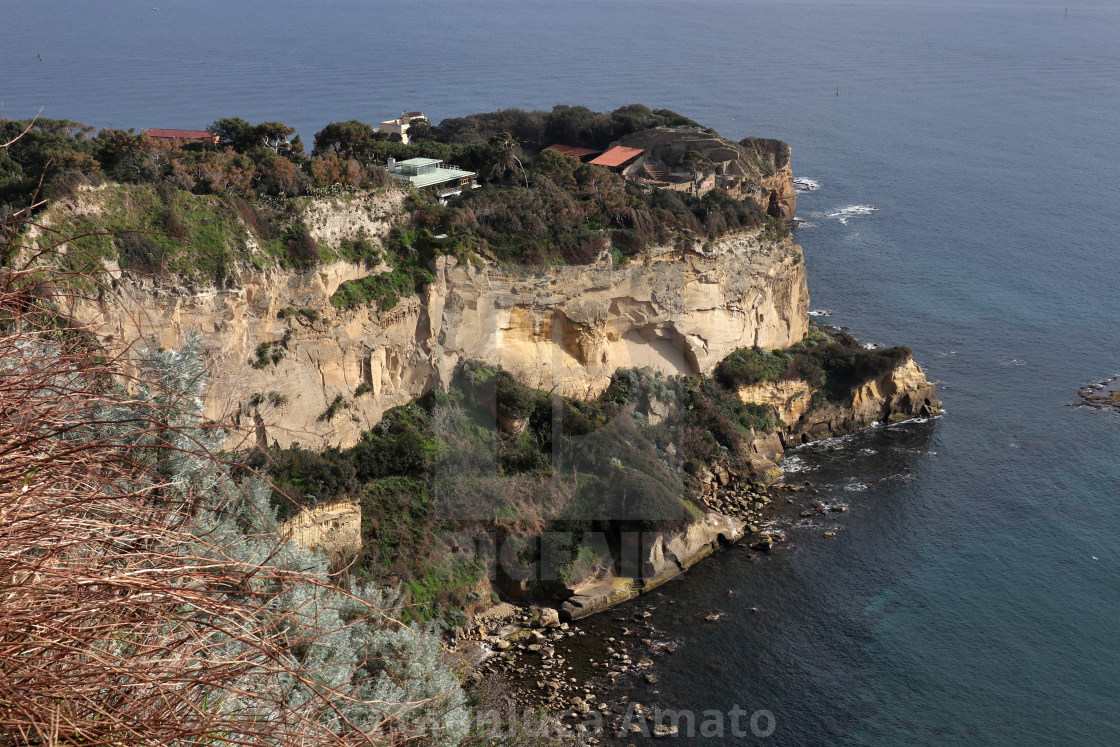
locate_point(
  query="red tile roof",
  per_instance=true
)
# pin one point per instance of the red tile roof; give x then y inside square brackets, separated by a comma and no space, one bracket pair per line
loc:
[181,134]
[571,150]
[617,156]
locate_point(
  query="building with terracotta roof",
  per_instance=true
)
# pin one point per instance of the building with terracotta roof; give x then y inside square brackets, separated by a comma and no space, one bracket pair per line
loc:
[182,136]
[618,158]
[582,154]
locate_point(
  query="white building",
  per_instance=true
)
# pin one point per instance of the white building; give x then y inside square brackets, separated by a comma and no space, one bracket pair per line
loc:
[431,172]
[399,126]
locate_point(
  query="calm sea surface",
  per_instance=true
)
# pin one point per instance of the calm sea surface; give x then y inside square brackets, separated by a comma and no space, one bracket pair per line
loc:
[968,205]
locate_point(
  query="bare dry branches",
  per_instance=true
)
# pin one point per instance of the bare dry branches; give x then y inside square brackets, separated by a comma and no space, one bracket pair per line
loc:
[25,130]
[127,615]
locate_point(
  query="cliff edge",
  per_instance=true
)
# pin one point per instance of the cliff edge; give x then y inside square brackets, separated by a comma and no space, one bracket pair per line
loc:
[280,354]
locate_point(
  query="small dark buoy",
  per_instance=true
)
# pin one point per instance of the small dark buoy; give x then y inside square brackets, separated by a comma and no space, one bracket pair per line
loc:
[837,91]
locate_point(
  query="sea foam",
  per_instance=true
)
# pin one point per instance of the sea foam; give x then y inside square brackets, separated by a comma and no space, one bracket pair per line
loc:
[851,211]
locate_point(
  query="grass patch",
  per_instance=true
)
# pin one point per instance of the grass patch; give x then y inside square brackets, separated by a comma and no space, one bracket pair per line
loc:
[748,366]
[357,250]
[409,252]
[156,231]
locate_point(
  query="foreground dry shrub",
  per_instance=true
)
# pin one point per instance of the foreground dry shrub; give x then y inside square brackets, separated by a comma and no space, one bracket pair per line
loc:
[144,596]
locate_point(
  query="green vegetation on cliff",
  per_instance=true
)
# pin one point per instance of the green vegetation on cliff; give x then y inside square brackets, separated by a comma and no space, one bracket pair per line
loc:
[204,211]
[833,362]
[492,455]
[408,252]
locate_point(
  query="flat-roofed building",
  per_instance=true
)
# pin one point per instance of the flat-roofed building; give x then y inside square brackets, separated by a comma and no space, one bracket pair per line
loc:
[431,172]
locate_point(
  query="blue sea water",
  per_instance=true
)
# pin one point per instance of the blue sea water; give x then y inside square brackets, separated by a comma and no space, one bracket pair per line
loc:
[970,596]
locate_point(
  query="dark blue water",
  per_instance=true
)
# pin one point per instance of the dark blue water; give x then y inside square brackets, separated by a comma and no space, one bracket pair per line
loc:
[970,595]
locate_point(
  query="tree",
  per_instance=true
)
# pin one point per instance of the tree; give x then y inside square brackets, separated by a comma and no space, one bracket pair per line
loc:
[243,137]
[419,129]
[558,167]
[234,132]
[330,169]
[349,139]
[501,157]
[577,125]
[274,136]
[279,176]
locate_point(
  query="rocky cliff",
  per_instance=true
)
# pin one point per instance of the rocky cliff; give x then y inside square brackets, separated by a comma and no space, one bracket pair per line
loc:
[733,509]
[901,394]
[280,354]
[290,367]
[335,527]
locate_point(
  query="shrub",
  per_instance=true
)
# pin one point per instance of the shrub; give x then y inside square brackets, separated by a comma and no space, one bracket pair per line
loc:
[401,444]
[300,249]
[847,365]
[337,404]
[757,417]
[359,250]
[514,399]
[271,352]
[384,290]
[312,315]
[140,253]
[748,366]
[804,367]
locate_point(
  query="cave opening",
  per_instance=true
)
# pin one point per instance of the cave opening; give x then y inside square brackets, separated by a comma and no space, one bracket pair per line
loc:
[774,207]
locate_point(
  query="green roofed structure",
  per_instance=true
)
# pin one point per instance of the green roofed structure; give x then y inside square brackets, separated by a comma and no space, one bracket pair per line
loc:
[431,172]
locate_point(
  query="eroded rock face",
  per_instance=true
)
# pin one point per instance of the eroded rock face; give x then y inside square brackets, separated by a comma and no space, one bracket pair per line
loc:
[572,327]
[664,555]
[791,399]
[332,220]
[781,197]
[336,527]
[902,394]
[561,328]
